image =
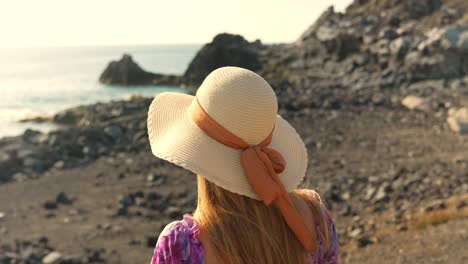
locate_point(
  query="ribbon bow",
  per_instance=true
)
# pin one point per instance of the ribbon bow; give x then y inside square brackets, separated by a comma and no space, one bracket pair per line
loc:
[261,165]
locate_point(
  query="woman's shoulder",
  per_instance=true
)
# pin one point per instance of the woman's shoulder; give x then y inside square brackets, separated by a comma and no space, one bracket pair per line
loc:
[332,253]
[178,243]
[187,226]
[326,252]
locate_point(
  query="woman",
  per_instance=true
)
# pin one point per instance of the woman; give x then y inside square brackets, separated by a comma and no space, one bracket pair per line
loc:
[249,162]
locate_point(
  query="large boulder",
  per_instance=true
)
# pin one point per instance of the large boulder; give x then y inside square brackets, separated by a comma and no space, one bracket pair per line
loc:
[413,102]
[127,72]
[336,35]
[339,40]
[224,50]
[438,66]
[454,37]
[414,9]
[403,9]
[442,55]
[400,46]
[458,120]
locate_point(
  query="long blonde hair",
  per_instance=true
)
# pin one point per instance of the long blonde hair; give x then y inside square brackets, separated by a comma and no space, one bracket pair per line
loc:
[244,230]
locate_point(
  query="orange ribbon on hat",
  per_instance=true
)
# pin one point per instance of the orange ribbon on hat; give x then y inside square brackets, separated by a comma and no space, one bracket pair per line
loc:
[261,165]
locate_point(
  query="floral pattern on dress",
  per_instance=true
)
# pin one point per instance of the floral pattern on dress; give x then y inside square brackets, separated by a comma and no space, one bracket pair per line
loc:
[177,244]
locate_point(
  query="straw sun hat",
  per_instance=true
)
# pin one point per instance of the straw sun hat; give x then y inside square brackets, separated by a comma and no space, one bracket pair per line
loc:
[243,103]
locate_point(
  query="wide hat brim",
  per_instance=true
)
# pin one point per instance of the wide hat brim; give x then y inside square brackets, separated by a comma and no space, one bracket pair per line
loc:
[176,138]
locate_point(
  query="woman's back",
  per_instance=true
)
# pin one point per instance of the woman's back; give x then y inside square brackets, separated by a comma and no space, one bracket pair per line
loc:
[230,228]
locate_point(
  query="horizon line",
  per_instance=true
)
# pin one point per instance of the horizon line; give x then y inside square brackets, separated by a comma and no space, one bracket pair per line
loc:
[122,45]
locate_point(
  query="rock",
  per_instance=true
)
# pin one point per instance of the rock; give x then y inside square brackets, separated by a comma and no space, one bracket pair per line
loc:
[455,37]
[2,215]
[59,165]
[414,102]
[346,210]
[441,55]
[140,201]
[400,46]
[461,204]
[153,196]
[49,205]
[435,205]
[36,119]
[66,117]
[451,37]
[345,196]
[414,9]
[126,200]
[114,132]
[36,164]
[121,211]
[388,33]
[19,177]
[151,241]
[339,41]
[53,257]
[63,198]
[224,50]
[370,192]
[151,177]
[355,232]
[324,17]
[458,121]
[381,194]
[365,241]
[462,42]
[30,134]
[134,242]
[127,72]
[106,226]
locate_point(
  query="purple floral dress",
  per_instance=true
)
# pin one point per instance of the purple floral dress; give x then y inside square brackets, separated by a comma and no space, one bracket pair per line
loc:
[177,243]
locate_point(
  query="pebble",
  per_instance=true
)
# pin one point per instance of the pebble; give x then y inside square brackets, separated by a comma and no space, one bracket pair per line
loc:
[150,178]
[458,120]
[151,241]
[52,258]
[134,242]
[63,198]
[365,241]
[414,102]
[355,232]
[59,165]
[381,193]
[50,205]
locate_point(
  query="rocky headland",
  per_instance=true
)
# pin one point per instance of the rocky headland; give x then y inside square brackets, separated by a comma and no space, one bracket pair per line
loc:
[379,94]
[224,49]
[127,72]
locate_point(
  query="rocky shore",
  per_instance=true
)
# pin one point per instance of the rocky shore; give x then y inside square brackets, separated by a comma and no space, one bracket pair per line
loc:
[379,95]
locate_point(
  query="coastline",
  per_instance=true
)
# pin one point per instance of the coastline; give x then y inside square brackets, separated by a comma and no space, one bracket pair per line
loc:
[44,122]
[44,81]
[370,92]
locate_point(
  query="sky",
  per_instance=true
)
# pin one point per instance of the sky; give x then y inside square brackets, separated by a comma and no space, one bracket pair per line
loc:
[50,23]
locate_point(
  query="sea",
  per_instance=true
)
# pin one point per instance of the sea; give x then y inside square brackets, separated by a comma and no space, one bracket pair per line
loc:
[43,81]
